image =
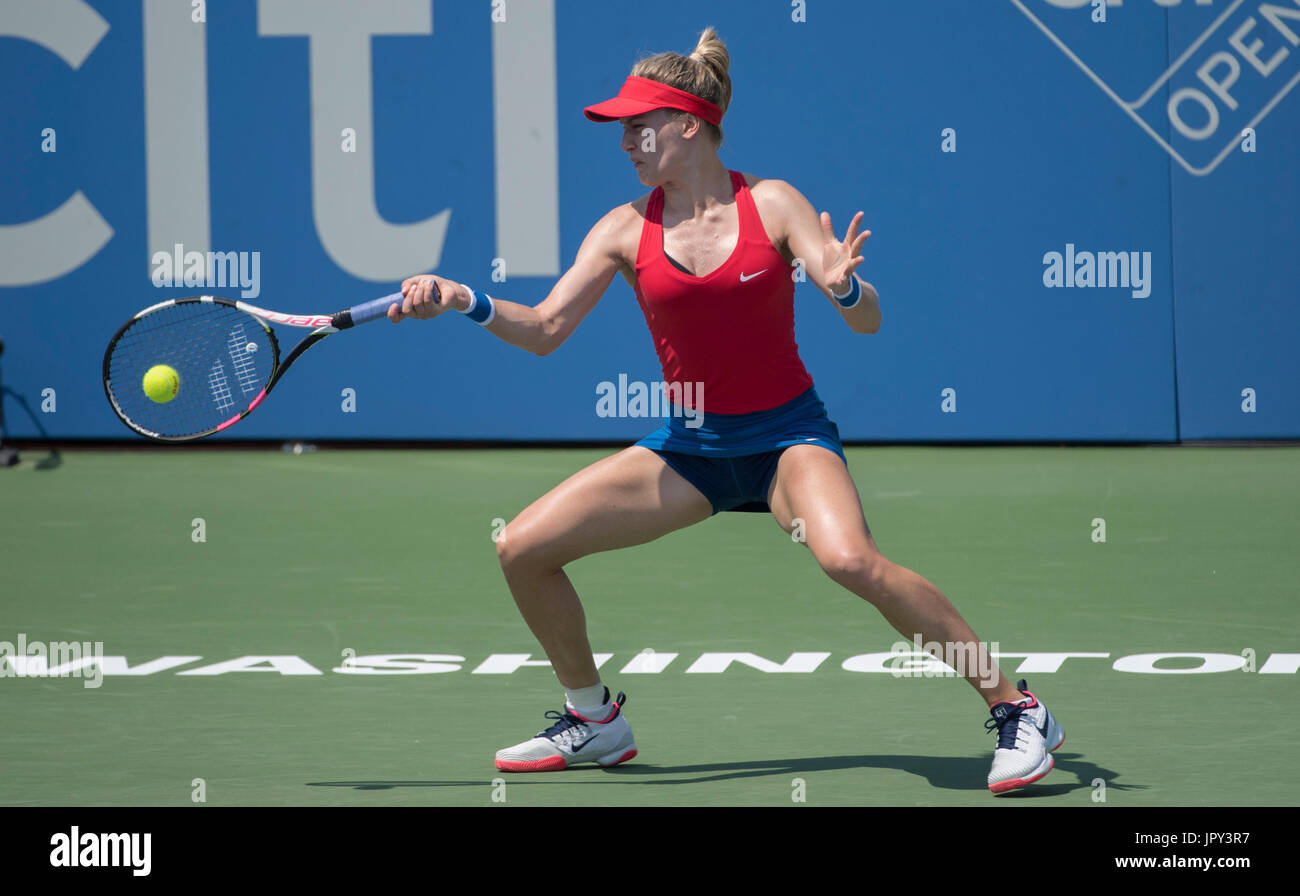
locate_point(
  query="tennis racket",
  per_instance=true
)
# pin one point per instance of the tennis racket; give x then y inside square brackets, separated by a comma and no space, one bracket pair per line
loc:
[225,354]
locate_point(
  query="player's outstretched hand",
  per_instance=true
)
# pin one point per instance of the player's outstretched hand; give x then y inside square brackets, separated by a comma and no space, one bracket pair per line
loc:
[841,257]
[426,296]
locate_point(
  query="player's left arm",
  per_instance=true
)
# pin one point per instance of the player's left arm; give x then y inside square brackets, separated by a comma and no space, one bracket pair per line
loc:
[828,262]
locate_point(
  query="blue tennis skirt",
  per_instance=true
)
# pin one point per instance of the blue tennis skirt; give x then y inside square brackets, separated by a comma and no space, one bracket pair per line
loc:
[731,458]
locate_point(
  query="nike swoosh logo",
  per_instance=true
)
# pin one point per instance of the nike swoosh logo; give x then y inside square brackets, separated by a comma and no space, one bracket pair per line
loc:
[1042,729]
[744,278]
[585,743]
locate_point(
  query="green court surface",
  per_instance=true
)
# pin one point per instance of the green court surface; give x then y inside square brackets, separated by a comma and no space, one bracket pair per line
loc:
[347,554]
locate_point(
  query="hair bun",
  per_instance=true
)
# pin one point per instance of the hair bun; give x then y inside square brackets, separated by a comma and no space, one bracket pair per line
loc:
[703,73]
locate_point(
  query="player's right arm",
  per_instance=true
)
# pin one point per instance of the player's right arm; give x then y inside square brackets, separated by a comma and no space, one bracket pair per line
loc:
[542,328]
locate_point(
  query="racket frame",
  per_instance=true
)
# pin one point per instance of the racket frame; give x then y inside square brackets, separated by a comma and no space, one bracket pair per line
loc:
[322,325]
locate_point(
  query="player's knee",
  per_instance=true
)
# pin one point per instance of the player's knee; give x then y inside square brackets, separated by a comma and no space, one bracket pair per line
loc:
[514,549]
[505,550]
[518,552]
[859,569]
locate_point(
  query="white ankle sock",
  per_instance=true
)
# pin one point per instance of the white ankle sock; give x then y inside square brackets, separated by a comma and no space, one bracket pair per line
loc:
[587,702]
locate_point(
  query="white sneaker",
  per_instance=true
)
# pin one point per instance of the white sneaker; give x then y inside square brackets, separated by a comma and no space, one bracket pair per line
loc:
[573,740]
[1027,735]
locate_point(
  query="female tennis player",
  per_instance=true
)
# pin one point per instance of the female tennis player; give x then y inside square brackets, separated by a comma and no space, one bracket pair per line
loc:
[710,254]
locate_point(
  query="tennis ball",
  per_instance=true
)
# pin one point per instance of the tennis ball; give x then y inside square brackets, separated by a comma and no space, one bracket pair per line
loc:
[161,383]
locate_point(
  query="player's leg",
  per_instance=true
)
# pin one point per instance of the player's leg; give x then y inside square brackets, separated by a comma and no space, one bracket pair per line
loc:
[813,485]
[629,498]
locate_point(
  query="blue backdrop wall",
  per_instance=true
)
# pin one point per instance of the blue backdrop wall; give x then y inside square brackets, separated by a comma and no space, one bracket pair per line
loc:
[343,145]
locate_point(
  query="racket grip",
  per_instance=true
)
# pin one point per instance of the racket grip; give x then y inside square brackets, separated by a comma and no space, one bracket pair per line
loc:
[374,309]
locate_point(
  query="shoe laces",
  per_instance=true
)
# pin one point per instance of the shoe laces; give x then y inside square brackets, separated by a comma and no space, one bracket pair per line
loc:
[1008,727]
[563,722]
[566,721]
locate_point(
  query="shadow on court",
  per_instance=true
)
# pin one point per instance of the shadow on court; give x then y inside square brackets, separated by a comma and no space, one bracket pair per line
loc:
[392,785]
[1087,773]
[944,773]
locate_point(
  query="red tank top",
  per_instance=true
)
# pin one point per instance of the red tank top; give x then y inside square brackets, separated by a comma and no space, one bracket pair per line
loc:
[733,329]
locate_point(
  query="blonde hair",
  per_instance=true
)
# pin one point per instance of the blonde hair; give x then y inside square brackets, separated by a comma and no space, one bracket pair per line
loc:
[703,73]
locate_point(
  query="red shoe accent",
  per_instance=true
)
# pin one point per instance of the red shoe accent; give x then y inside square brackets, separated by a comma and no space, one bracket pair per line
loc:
[624,758]
[1055,748]
[605,721]
[549,764]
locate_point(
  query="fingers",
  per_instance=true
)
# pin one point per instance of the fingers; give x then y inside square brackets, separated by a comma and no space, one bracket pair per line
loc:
[426,296]
[421,293]
[852,238]
[421,299]
[412,285]
[853,228]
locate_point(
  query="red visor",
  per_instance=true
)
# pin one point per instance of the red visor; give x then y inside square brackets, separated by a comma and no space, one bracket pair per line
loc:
[643,95]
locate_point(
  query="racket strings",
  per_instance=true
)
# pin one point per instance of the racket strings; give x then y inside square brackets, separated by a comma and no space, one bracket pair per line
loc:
[224,359]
